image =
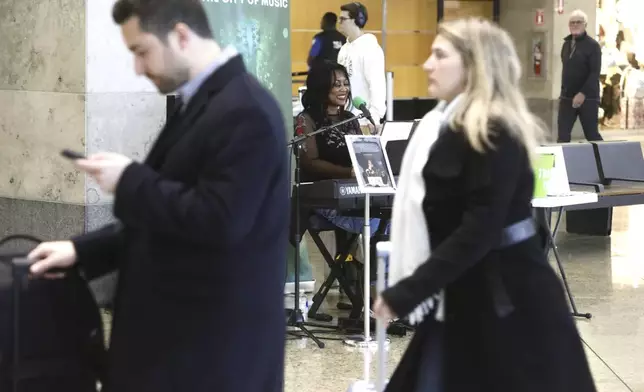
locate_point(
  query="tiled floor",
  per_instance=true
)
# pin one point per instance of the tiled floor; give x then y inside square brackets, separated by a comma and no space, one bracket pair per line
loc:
[620,134]
[606,276]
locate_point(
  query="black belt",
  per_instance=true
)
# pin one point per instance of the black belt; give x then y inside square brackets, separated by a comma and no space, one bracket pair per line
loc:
[44,368]
[518,232]
[512,235]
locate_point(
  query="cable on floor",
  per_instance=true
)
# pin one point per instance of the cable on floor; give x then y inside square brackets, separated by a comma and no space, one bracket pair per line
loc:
[609,368]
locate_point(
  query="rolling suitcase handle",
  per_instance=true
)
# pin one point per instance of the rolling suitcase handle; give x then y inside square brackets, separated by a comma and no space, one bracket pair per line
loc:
[20,265]
[15,237]
[19,270]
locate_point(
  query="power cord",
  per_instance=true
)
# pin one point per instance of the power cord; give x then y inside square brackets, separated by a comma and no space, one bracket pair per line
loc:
[609,368]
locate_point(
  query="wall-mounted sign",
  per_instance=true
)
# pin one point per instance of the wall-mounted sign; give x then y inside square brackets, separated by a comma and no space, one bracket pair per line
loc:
[539,17]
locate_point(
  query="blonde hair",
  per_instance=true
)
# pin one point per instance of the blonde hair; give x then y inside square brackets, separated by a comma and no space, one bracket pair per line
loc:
[492,93]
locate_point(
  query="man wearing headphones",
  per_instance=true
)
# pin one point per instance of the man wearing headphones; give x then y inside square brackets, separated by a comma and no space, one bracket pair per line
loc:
[365,61]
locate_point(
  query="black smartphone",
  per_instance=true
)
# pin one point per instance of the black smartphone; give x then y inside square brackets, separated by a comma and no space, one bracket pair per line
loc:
[73,155]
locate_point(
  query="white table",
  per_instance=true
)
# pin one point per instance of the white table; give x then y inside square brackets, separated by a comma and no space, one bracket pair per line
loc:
[569,199]
[544,207]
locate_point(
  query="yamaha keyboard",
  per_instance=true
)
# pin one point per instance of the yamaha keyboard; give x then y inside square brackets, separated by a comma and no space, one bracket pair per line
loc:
[341,194]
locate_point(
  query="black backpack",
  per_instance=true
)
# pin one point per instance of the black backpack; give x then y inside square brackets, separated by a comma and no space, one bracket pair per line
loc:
[51,334]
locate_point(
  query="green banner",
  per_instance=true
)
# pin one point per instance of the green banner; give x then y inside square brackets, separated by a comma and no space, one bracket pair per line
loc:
[260,30]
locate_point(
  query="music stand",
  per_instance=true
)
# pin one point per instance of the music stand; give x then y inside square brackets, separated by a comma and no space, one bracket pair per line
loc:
[396,130]
[374,175]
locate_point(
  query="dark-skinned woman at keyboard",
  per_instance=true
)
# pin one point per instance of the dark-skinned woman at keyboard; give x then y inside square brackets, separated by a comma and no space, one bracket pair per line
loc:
[325,156]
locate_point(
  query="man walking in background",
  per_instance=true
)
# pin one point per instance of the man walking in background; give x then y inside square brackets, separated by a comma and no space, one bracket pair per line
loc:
[365,61]
[581,57]
[203,222]
[327,43]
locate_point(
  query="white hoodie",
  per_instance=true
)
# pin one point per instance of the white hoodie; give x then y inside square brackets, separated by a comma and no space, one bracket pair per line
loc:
[365,62]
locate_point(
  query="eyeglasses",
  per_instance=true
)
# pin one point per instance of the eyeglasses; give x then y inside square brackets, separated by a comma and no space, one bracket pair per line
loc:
[343,18]
[576,22]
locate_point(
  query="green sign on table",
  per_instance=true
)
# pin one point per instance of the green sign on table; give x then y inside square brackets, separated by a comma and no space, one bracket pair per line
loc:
[544,165]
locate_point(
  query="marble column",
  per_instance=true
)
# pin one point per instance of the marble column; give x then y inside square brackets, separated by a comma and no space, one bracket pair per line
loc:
[124,112]
[519,18]
[66,81]
[42,110]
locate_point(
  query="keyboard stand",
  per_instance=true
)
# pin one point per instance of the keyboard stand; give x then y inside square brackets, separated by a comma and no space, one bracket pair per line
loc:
[337,272]
[354,323]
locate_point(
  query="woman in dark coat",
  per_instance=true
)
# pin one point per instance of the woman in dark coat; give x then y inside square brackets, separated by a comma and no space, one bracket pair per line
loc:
[467,267]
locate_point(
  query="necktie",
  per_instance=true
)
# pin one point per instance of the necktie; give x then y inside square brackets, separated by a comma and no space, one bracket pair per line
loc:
[178,104]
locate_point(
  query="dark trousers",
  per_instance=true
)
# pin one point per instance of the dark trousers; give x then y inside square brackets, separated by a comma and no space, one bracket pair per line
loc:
[587,114]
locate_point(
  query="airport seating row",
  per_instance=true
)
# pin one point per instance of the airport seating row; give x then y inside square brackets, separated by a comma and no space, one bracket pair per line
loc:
[612,169]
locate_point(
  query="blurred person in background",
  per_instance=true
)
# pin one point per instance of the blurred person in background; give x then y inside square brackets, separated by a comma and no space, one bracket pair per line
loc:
[327,43]
[364,59]
[581,57]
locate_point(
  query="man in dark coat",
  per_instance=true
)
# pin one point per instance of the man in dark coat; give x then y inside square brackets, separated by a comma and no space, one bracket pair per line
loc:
[581,59]
[202,232]
[327,43]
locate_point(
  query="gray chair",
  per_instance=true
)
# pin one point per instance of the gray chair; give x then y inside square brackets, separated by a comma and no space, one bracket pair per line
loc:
[621,163]
[583,171]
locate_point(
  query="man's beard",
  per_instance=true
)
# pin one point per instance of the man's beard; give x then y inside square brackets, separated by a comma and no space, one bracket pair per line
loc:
[175,76]
[167,84]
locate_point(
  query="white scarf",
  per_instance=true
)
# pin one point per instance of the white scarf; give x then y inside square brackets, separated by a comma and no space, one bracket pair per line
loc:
[409,232]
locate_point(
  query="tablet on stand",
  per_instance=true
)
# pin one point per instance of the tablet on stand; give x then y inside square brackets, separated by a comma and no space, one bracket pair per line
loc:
[374,176]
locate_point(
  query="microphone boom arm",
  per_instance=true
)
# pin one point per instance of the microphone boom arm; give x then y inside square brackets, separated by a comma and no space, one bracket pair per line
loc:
[300,139]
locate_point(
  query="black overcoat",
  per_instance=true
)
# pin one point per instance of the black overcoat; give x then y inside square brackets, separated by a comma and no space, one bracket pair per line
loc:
[507,326]
[201,247]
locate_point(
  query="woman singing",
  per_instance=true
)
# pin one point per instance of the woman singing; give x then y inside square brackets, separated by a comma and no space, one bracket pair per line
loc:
[325,156]
[467,267]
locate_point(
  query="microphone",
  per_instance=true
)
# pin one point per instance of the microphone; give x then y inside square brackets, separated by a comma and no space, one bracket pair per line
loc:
[361,105]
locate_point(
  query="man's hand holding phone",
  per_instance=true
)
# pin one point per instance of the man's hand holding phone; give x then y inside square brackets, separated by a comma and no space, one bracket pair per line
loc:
[72,155]
[106,167]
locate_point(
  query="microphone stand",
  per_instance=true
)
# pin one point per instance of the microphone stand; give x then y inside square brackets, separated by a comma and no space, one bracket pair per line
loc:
[296,319]
[299,139]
